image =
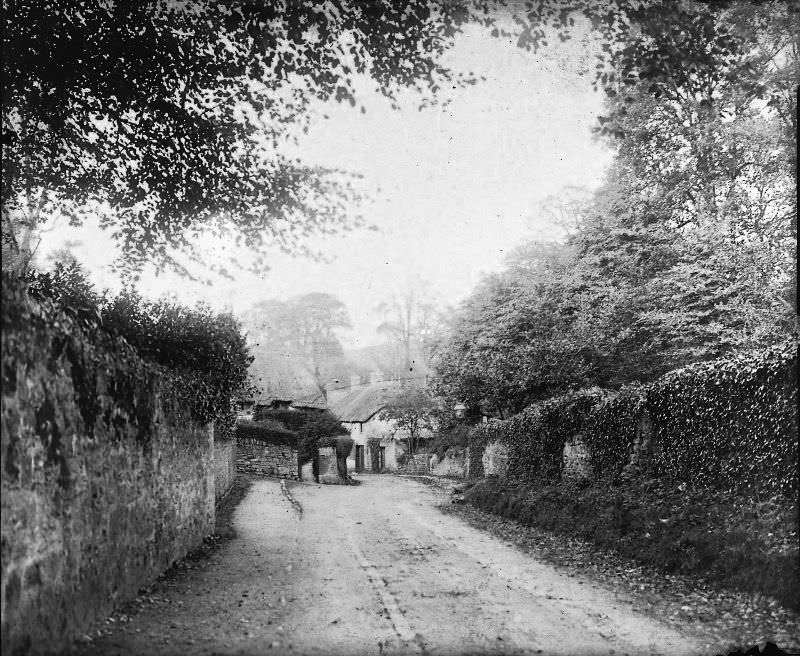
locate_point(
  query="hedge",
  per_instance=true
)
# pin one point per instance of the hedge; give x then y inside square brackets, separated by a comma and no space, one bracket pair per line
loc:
[207,351]
[536,436]
[36,319]
[730,424]
[267,432]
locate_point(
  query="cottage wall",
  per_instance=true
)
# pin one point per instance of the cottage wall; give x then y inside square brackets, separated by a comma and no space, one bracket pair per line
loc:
[375,428]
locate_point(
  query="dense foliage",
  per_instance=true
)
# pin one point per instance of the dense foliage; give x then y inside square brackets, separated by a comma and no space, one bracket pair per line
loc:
[207,348]
[311,429]
[413,411]
[169,118]
[687,251]
[455,437]
[102,365]
[729,424]
[296,338]
[536,436]
[268,432]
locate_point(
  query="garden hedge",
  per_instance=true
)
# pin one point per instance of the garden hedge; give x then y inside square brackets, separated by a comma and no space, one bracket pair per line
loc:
[267,432]
[205,350]
[536,436]
[97,337]
[730,424]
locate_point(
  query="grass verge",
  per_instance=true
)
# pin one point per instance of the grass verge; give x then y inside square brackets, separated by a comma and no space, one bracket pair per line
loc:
[729,542]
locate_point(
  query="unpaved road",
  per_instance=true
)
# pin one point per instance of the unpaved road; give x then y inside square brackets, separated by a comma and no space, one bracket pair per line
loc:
[377,569]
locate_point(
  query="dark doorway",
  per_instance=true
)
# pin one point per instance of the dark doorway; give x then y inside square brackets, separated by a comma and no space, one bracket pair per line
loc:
[359,458]
[382,459]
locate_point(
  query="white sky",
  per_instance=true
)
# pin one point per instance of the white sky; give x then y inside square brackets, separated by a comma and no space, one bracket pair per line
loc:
[453,189]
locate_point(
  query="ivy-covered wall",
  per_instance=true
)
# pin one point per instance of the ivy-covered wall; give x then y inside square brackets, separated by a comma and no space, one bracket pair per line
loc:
[107,474]
[728,424]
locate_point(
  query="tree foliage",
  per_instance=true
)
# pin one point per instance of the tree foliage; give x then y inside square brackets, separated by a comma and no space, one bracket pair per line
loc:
[196,360]
[168,118]
[687,251]
[415,323]
[303,330]
[413,410]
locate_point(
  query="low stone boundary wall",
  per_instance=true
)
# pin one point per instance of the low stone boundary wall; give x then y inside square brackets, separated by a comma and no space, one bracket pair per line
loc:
[577,459]
[257,457]
[419,463]
[224,467]
[328,473]
[454,464]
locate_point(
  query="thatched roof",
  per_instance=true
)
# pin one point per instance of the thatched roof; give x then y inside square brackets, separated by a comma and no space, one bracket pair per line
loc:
[362,403]
[312,400]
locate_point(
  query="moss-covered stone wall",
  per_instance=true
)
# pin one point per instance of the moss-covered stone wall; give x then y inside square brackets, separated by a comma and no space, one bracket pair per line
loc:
[106,479]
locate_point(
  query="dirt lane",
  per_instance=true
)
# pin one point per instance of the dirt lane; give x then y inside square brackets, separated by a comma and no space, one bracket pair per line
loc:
[377,569]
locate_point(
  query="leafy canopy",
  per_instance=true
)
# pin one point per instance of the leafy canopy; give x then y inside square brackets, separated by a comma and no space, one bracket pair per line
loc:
[168,118]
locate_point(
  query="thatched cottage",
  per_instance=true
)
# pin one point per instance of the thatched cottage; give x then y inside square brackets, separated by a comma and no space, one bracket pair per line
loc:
[377,442]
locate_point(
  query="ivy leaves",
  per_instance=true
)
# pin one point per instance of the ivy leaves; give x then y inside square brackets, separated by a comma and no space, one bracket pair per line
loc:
[728,424]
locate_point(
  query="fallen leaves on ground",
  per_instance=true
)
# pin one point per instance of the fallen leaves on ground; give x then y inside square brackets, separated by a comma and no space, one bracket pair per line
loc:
[737,620]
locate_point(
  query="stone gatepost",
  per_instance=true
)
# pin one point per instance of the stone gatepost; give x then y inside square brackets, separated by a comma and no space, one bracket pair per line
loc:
[495,460]
[577,459]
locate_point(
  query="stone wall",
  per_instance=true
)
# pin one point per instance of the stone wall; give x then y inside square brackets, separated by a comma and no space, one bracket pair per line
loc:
[328,472]
[419,463]
[224,467]
[577,459]
[257,457]
[495,459]
[105,484]
[454,464]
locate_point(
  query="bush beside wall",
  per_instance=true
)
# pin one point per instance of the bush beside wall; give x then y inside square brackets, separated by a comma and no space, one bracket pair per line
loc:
[266,432]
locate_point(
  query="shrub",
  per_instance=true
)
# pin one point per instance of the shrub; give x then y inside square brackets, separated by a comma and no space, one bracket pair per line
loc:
[207,350]
[267,432]
[344,445]
[456,438]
